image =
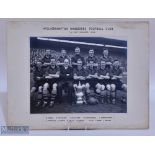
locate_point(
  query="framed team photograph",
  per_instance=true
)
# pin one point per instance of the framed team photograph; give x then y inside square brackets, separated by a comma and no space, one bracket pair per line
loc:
[78,74]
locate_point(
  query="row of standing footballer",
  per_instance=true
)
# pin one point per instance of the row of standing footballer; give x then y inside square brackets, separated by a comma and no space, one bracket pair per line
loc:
[87,77]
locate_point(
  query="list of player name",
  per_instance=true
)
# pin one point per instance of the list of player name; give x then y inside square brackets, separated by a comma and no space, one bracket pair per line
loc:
[79,119]
[84,29]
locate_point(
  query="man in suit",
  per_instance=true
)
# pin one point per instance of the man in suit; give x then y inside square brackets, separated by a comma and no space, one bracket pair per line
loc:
[66,81]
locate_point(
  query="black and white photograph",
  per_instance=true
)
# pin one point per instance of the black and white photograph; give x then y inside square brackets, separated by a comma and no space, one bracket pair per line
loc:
[78,75]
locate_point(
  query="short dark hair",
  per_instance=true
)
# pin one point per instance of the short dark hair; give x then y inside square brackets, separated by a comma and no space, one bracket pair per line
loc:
[77,48]
[115,60]
[63,49]
[104,49]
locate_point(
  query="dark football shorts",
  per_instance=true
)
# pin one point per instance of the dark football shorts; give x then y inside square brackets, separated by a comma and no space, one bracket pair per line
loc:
[81,81]
[40,82]
[92,82]
[51,82]
[104,81]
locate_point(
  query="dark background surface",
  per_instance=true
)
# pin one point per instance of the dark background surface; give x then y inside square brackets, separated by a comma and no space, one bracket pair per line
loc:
[43,44]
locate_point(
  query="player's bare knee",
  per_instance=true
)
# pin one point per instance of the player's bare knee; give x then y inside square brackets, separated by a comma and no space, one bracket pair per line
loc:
[83,85]
[54,90]
[87,85]
[102,87]
[98,86]
[124,87]
[108,87]
[113,87]
[74,85]
[33,89]
[40,88]
[55,85]
[46,86]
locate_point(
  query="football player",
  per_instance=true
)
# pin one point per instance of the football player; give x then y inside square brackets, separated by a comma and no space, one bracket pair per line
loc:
[91,76]
[50,87]
[62,57]
[77,57]
[116,76]
[79,73]
[108,59]
[103,79]
[91,58]
[47,58]
[66,75]
[38,82]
